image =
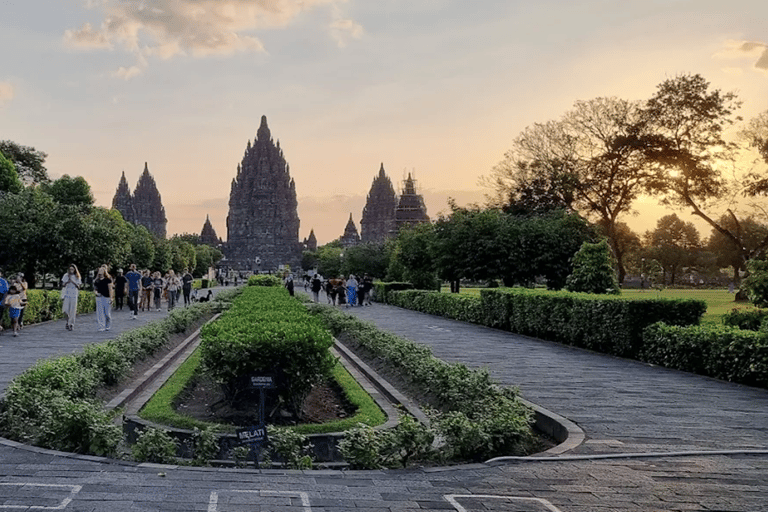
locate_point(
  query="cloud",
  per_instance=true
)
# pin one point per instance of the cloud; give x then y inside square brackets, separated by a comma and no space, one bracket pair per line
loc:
[201,28]
[128,73]
[6,92]
[756,51]
[342,30]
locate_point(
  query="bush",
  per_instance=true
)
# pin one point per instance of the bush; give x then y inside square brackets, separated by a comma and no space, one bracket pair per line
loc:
[466,308]
[716,351]
[362,447]
[79,426]
[290,447]
[453,388]
[267,332]
[109,363]
[155,445]
[383,290]
[750,319]
[592,270]
[756,282]
[264,280]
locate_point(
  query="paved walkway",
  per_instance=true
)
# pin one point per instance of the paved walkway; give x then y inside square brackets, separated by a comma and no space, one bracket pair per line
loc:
[622,406]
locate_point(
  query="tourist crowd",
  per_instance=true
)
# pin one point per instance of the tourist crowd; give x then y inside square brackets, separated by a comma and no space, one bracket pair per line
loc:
[138,290]
[349,291]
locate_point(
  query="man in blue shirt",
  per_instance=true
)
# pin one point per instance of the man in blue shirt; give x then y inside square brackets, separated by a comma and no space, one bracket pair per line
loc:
[134,284]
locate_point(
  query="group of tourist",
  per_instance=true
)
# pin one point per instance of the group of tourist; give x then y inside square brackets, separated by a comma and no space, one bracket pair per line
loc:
[350,291]
[13,295]
[144,291]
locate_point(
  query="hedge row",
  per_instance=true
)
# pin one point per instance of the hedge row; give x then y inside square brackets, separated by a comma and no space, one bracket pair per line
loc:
[266,331]
[603,323]
[716,351]
[44,305]
[53,403]
[382,291]
[750,319]
[478,418]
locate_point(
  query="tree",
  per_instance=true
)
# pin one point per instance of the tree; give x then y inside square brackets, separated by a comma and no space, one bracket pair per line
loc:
[674,244]
[72,191]
[329,259]
[163,255]
[688,151]
[30,163]
[414,252]
[592,271]
[751,234]
[9,178]
[206,257]
[367,258]
[183,255]
[756,134]
[142,247]
[590,159]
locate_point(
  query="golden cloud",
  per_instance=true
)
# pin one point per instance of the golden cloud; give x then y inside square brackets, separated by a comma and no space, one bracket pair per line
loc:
[753,50]
[6,92]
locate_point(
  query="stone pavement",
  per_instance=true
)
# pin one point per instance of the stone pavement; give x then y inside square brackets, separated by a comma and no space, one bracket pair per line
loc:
[622,406]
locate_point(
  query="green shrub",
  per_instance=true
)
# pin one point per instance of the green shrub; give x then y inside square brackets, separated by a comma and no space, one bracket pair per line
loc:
[109,363]
[716,351]
[267,332]
[466,308]
[64,374]
[79,426]
[750,319]
[290,447]
[382,290]
[756,282]
[155,445]
[264,280]
[592,270]
[363,446]
[205,445]
[453,388]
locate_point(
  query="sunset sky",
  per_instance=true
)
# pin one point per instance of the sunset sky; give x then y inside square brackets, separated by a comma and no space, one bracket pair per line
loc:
[438,88]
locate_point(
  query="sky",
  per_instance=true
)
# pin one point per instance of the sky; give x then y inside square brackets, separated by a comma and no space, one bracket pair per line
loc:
[436,88]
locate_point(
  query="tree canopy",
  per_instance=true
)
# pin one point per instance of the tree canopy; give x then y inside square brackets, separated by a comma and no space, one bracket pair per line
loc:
[29,162]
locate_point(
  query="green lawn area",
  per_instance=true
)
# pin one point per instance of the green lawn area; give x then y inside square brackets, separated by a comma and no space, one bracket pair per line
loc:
[718,301]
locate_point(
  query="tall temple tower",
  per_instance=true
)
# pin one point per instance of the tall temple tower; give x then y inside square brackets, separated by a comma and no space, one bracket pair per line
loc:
[145,206]
[378,222]
[263,222]
[148,205]
[411,209]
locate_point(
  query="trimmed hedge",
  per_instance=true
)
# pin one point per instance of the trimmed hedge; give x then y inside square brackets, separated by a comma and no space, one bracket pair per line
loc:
[602,323]
[264,280]
[750,319]
[716,351]
[266,331]
[53,403]
[45,305]
[383,290]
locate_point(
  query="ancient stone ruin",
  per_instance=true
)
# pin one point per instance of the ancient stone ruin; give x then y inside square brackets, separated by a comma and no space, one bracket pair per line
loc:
[208,234]
[378,222]
[350,238]
[263,221]
[144,207]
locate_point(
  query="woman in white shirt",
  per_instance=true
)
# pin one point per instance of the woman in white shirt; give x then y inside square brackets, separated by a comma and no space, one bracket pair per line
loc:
[70,291]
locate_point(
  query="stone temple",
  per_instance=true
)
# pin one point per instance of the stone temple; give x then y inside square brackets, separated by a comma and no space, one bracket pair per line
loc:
[263,221]
[350,238]
[378,222]
[208,234]
[411,209]
[144,207]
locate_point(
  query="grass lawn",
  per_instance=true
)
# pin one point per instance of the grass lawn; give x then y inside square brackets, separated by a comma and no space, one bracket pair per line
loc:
[718,301]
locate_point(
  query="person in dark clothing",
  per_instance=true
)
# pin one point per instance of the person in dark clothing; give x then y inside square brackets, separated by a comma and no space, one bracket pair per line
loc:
[120,285]
[186,286]
[316,285]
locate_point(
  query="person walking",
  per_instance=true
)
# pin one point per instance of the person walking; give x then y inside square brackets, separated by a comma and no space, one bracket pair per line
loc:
[102,288]
[289,284]
[134,285]
[316,285]
[15,305]
[172,286]
[146,291]
[351,291]
[120,286]
[186,286]
[70,292]
[21,285]
[366,288]
[157,289]
[3,292]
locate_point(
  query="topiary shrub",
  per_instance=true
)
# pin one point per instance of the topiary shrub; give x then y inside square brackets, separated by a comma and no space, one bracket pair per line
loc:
[592,271]
[264,280]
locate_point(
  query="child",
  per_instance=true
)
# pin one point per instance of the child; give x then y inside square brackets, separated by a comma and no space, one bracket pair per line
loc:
[15,304]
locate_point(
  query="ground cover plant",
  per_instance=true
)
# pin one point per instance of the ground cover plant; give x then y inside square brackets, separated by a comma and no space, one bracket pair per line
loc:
[477,418]
[54,405]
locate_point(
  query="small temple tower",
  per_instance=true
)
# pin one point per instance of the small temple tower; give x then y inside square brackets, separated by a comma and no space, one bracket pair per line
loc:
[411,209]
[145,206]
[123,200]
[310,243]
[208,234]
[378,222]
[350,238]
[263,221]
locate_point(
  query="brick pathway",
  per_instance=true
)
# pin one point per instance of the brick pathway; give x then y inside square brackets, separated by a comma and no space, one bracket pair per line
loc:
[622,406]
